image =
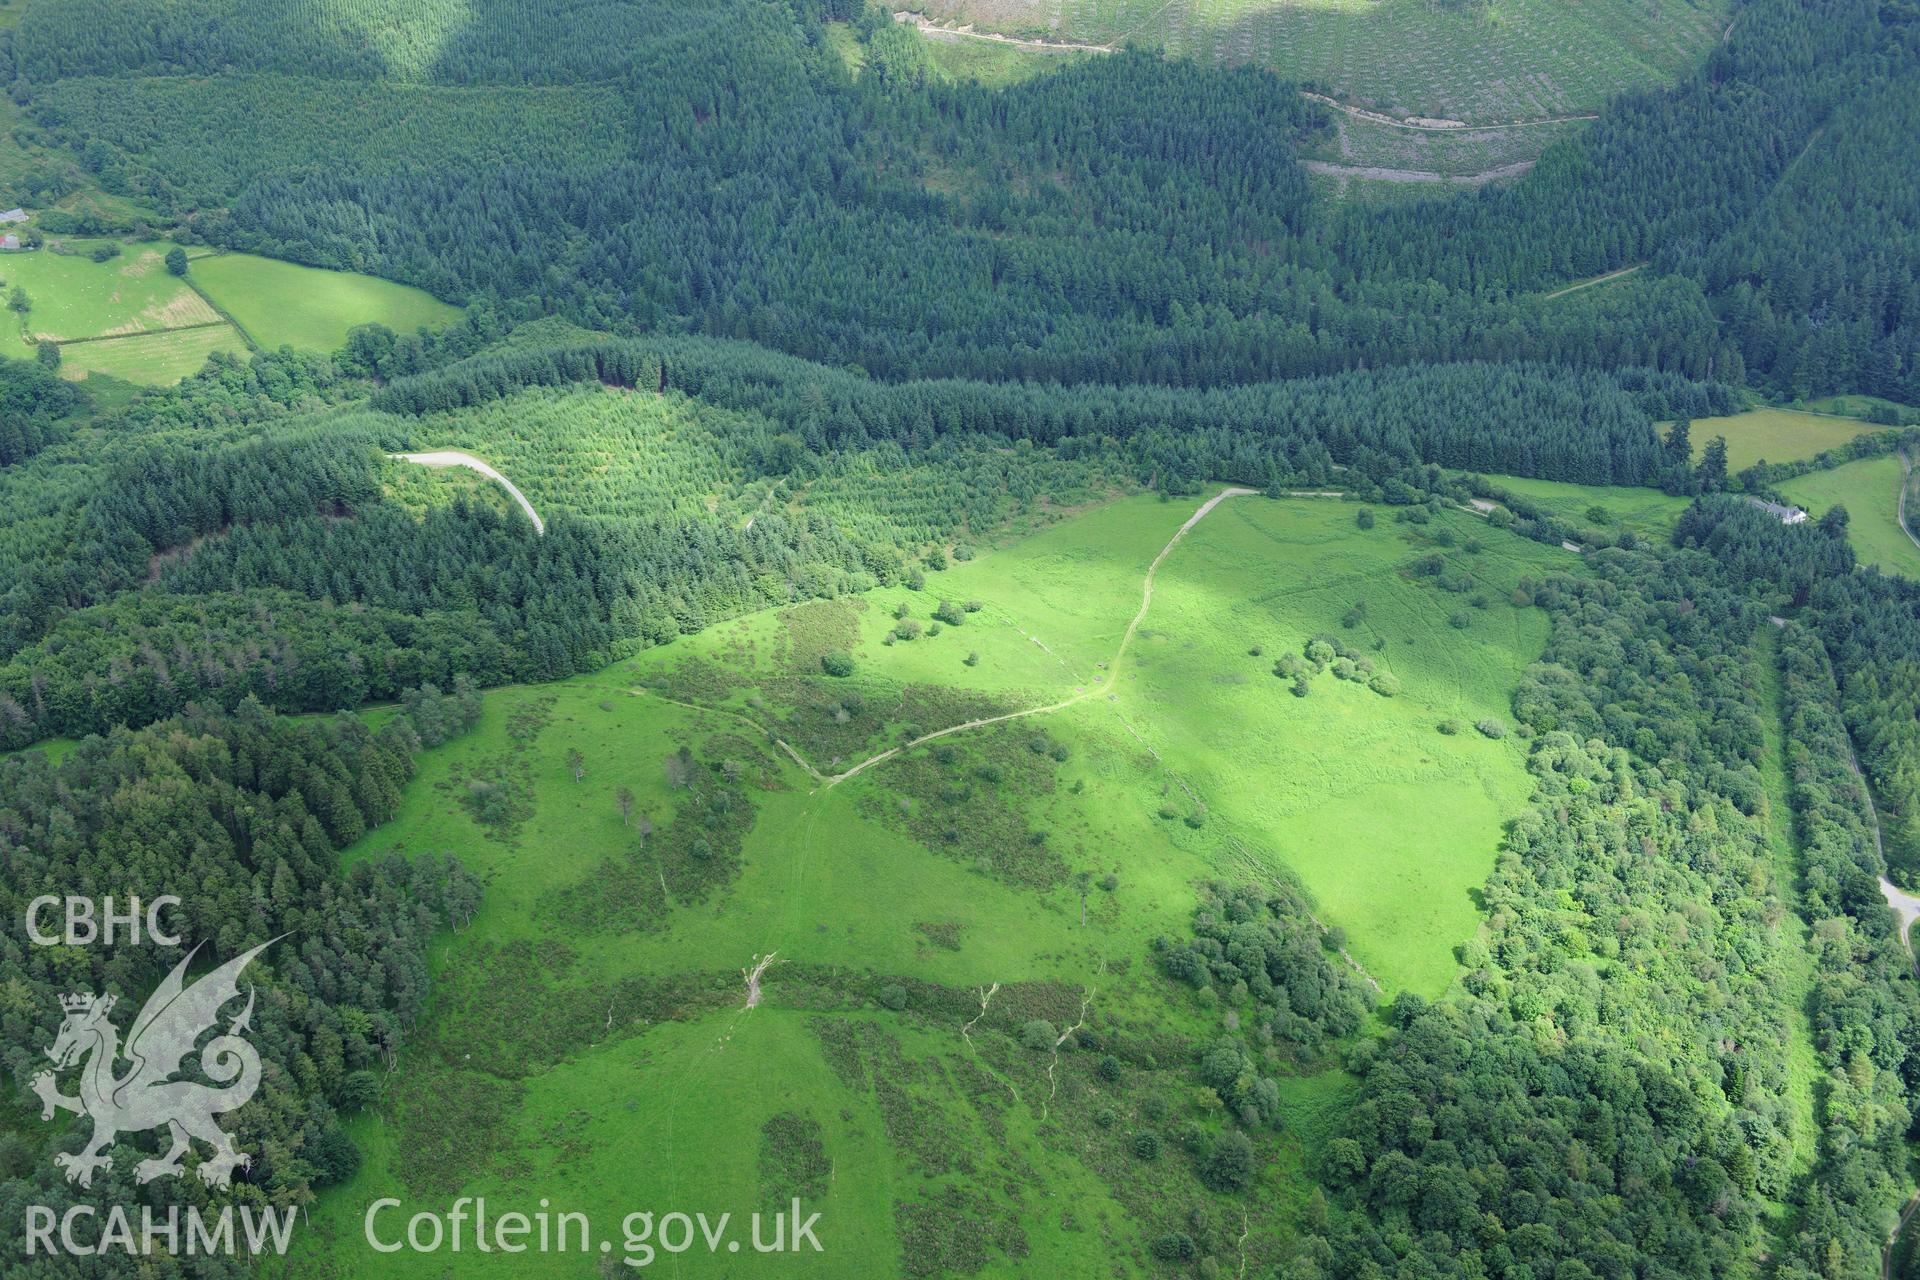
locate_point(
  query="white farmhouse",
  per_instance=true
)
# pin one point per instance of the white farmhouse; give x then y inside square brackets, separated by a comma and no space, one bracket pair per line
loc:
[1784,514]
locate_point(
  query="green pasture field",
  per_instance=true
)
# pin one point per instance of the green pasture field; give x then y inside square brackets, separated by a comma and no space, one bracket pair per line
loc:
[1854,406]
[150,359]
[1357,143]
[282,303]
[55,749]
[76,297]
[1648,512]
[1870,491]
[1391,824]
[995,65]
[842,40]
[1509,60]
[1776,435]
[631,1074]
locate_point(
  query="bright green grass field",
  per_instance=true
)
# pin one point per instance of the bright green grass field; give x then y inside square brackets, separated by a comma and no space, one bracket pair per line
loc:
[151,359]
[1357,143]
[667,1118]
[1389,824]
[1648,512]
[76,297]
[1854,406]
[1775,435]
[995,65]
[282,303]
[1870,491]
[55,749]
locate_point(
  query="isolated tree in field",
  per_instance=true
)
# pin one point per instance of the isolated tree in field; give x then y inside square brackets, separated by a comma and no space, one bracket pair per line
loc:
[1712,471]
[1229,1166]
[950,613]
[492,802]
[1364,519]
[19,301]
[1680,442]
[644,825]
[1175,1246]
[463,901]
[1082,883]
[576,763]
[625,798]
[177,260]
[1834,522]
[837,662]
[680,769]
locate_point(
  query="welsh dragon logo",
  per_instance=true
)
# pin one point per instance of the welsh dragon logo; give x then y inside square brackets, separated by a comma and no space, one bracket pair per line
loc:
[146,1096]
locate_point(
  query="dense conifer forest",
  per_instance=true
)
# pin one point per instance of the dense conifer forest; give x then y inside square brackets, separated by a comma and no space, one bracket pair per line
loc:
[252,809]
[1129,219]
[110,620]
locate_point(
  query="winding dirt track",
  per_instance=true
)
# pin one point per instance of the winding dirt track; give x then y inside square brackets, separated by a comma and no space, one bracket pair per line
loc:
[1893,1239]
[1113,667]
[454,458]
[1906,483]
[1903,904]
[1907,908]
[1429,124]
[935,31]
[1372,173]
[1578,285]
